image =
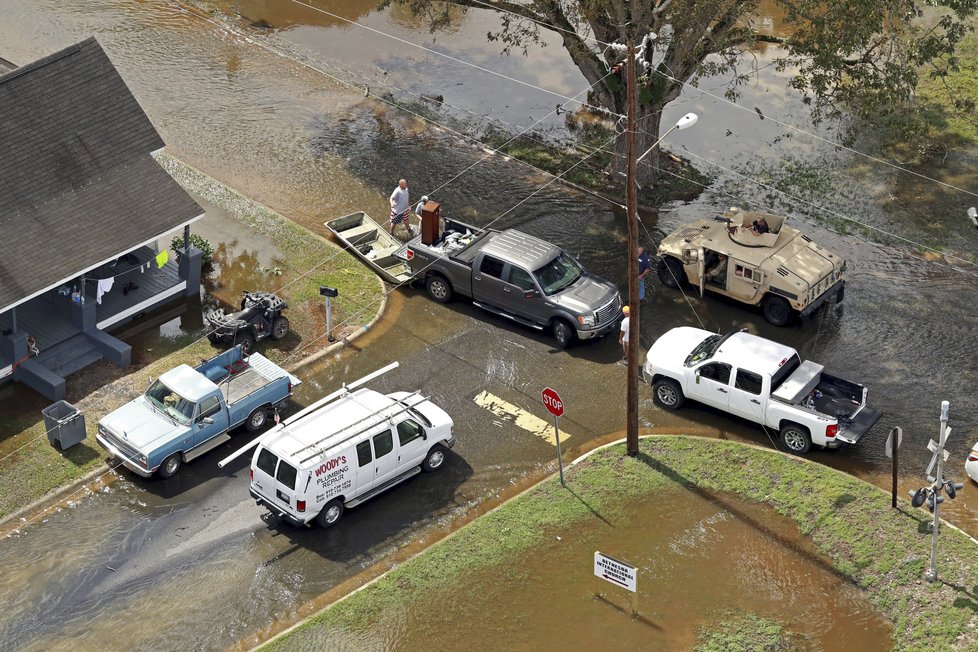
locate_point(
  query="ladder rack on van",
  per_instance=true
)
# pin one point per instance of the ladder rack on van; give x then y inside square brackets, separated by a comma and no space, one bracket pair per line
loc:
[377,417]
[345,389]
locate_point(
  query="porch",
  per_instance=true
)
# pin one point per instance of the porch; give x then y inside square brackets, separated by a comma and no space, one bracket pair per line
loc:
[71,335]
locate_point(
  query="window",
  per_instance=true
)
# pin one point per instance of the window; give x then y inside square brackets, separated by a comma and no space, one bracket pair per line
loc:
[749,381]
[286,474]
[363,453]
[747,273]
[408,431]
[491,266]
[718,371]
[521,279]
[267,461]
[209,406]
[558,274]
[383,444]
[166,400]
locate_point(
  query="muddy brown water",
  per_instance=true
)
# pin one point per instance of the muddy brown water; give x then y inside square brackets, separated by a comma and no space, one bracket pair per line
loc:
[697,557]
[312,148]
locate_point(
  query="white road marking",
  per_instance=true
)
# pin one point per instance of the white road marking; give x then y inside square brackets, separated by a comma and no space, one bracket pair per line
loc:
[521,418]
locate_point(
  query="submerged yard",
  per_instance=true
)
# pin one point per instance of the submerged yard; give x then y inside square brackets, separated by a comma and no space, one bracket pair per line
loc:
[737,549]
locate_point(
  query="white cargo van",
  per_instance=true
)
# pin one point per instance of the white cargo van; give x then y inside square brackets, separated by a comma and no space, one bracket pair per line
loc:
[346,452]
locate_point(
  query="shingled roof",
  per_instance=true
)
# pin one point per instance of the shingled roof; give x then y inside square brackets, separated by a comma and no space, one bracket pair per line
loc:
[78,184]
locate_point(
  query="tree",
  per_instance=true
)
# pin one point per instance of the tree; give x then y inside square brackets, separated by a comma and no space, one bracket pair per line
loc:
[848,57]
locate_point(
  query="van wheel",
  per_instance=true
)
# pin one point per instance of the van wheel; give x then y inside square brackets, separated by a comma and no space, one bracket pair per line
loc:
[563,333]
[330,514]
[435,459]
[256,419]
[170,466]
[439,288]
[667,393]
[671,272]
[796,439]
[776,310]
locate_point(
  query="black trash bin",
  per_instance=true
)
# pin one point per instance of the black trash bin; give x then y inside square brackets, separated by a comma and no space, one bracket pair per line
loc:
[65,424]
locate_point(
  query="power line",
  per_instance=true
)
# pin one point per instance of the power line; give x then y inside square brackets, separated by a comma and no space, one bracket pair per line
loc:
[820,138]
[454,59]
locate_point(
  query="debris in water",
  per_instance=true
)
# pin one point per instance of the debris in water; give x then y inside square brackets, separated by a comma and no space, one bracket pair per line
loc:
[110,568]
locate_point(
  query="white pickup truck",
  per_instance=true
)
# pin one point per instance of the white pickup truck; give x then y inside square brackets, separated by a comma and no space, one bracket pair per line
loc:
[761,381]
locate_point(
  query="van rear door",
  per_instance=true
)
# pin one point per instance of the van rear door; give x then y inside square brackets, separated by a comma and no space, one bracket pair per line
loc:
[275,479]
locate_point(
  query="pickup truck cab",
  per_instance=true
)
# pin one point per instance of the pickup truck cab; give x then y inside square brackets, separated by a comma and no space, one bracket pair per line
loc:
[761,381]
[517,276]
[345,452]
[189,411]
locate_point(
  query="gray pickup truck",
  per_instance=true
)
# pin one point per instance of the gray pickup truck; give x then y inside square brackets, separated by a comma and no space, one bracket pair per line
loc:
[517,276]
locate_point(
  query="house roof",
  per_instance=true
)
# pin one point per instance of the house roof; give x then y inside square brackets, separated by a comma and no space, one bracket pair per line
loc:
[78,184]
[5,66]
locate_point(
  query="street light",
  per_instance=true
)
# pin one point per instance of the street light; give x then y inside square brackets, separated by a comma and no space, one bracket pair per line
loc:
[685,122]
[631,201]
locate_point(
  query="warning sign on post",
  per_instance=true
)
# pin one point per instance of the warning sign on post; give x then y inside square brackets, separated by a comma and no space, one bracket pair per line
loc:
[616,572]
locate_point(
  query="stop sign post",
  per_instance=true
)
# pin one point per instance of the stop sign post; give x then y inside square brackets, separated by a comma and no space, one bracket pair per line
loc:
[553,403]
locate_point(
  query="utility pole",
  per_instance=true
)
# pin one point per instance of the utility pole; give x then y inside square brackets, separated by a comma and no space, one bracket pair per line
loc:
[631,207]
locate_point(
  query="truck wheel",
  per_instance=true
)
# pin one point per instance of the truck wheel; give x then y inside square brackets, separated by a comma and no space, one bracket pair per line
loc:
[439,288]
[563,333]
[256,419]
[280,328]
[170,466]
[667,393]
[671,272]
[776,310]
[435,459]
[330,514]
[796,439]
[246,340]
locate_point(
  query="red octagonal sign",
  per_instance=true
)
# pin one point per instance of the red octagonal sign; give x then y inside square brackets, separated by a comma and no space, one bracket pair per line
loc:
[551,400]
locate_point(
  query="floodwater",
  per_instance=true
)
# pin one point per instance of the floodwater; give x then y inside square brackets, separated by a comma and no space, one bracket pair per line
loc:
[698,558]
[261,109]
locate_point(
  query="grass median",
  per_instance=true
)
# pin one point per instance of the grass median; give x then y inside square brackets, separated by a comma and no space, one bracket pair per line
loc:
[880,550]
[32,468]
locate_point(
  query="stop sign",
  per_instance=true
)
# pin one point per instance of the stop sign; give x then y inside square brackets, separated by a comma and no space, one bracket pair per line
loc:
[551,400]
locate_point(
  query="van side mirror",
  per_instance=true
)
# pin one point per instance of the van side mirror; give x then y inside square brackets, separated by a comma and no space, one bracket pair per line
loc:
[697,374]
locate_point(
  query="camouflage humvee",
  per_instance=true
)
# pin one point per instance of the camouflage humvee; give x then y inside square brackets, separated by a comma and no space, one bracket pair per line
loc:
[777,267]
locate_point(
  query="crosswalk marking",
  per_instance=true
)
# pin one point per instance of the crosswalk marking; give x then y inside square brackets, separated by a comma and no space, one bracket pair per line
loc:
[520,417]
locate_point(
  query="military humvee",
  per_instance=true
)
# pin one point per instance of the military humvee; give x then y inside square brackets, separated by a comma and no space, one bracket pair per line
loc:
[781,269]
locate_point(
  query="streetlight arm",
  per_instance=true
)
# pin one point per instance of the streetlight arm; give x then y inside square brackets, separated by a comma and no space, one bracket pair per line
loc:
[685,122]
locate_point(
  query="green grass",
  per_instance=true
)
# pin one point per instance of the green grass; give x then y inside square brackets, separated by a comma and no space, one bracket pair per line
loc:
[742,631]
[37,468]
[879,549]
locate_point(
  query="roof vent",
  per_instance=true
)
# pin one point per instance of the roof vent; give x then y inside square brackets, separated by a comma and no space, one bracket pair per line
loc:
[782,271]
[805,238]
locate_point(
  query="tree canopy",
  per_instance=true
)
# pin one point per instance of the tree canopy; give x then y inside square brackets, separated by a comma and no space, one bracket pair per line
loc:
[846,57]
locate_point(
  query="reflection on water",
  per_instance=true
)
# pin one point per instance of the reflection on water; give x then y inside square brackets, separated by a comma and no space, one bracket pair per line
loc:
[697,558]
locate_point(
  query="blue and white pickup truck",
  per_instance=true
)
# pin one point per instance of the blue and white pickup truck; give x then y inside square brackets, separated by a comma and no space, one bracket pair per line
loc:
[189,411]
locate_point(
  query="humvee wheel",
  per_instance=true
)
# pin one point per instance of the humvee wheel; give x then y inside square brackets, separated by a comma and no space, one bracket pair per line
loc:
[776,310]
[671,272]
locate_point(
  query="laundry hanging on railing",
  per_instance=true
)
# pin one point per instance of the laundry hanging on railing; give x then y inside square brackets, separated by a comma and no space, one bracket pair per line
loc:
[162,258]
[104,285]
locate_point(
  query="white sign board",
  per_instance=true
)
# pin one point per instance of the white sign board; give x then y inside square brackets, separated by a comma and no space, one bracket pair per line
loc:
[617,572]
[895,437]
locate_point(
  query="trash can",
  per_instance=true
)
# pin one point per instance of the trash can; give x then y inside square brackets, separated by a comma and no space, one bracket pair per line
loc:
[65,424]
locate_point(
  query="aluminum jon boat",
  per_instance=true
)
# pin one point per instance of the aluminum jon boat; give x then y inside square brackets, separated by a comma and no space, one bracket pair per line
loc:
[372,244]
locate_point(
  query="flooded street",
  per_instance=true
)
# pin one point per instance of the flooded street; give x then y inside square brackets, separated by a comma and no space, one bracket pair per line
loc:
[152,564]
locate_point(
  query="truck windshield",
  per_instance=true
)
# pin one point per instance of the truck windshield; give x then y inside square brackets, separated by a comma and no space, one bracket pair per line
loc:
[170,403]
[703,350]
[558,274]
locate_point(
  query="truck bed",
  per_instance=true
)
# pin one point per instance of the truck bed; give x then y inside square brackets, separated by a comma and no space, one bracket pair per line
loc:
[241,385]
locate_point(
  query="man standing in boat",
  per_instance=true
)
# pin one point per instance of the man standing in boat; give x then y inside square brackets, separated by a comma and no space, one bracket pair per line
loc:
[401,207]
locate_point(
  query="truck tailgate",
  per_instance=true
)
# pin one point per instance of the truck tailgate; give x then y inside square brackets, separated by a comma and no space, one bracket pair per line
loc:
[861,422]
[269,369]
